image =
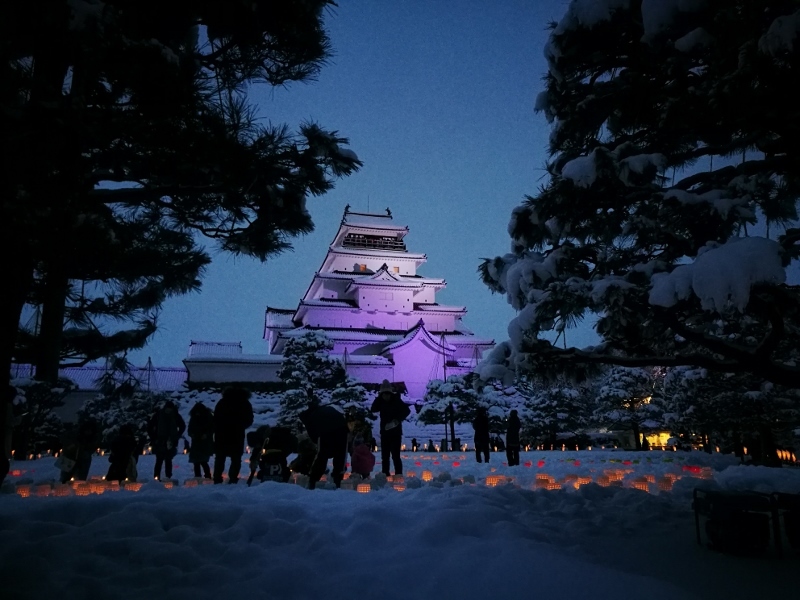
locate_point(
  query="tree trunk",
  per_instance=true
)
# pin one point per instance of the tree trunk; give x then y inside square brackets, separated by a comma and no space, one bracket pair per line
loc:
[706,442]
[17,276]
[48,356]
[636,433]
[453,429]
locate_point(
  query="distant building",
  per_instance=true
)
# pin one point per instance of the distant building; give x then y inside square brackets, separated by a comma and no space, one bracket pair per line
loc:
[367,297]
[88,378]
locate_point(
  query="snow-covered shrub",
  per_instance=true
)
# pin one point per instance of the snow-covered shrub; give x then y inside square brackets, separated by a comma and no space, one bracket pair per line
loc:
[37,429]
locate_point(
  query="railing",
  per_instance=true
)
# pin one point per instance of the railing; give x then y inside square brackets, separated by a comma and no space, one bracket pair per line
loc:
[374,243]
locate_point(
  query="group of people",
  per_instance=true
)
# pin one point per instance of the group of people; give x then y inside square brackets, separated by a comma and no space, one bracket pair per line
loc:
[336,436]
[219,433]
[329,435]
[483,438]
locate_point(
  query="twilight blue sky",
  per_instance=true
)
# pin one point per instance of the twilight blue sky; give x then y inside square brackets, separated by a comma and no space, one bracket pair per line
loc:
[437,101]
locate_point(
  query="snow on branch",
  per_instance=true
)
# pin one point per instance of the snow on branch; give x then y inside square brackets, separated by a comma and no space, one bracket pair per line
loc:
[722,276]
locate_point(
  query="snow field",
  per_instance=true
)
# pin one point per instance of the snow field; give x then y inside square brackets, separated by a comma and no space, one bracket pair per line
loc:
[457,541]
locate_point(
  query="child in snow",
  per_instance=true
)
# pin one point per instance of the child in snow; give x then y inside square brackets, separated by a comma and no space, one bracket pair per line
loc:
[363,460]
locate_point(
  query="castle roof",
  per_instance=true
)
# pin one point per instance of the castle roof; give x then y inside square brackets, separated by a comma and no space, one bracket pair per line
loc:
[419,331]
[372,221]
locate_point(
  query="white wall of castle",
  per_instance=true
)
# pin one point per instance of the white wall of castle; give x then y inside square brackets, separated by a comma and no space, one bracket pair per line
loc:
[383,318]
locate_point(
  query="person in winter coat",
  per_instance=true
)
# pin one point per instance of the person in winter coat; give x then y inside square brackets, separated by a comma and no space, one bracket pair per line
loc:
[165,428]
[201,430]
[393,412]
[329,427]
[80,449]
[124,455]
[270,449]
[362,459]
[482,439]
[512,439]
[306,453]
[232,416]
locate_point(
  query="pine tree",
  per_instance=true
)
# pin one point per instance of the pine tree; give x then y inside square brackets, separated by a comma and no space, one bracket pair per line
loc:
[112,108]
[457,401]
[557,409]
[39,428]
[449,402]
[126,271]
[672,138]
[726,408]
[627,398]
[311,374]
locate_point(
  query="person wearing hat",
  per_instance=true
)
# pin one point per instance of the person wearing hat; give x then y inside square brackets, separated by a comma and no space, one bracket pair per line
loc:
[393,412]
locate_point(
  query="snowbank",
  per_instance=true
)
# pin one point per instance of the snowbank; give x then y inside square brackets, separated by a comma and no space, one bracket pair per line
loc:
[458,541]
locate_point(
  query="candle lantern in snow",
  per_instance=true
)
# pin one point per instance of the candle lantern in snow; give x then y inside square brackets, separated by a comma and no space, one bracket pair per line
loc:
[364,488]
[62,490]
[427,476]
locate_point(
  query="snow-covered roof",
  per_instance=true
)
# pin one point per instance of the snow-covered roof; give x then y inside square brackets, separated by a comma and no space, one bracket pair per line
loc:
[440,308]
[349,334]
[371,221]
[370,253]
[278,318]
[417,280]
[382,277]
[242,358]
[197,348]
[419,331]
[155,379]
[363,359]
[328,303]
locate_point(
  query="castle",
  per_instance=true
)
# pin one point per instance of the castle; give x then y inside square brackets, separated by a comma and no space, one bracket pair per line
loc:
[381,316]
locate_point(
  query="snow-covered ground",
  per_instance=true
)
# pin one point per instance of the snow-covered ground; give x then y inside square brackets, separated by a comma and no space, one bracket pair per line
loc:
[433,539]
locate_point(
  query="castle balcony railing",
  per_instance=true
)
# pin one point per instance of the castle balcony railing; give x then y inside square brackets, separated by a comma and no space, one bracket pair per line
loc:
[373,242]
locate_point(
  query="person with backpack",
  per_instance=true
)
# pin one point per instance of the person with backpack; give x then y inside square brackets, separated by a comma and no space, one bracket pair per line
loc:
[124,455]
[270,449]
[482,438]
[201,430]
[165,429]
[393,411]
[512,438]
[232,415]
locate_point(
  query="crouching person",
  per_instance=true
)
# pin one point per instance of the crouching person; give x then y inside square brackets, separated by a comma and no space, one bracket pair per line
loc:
[125,450]
[271,447]
[329,427]
[306,453]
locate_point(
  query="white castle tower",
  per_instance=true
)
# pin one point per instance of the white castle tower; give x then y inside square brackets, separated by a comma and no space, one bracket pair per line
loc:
[381,315]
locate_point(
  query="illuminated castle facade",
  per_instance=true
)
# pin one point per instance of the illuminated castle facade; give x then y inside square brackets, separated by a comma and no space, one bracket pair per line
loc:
[381,315]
